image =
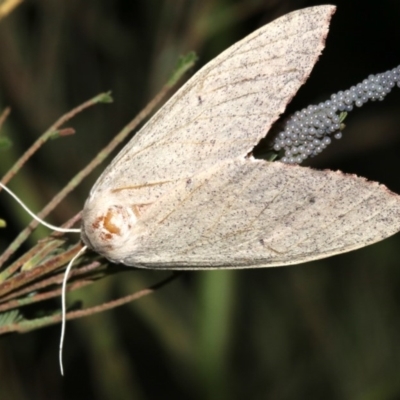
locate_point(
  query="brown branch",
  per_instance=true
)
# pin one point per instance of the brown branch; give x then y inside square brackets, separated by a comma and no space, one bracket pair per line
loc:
[42,284]
[8,6]
[14,267]
[25,326]
[15,304]
[24,277]
[46,135]
[4,115]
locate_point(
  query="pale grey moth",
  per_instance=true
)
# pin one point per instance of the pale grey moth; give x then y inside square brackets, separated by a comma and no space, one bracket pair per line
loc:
[186,193]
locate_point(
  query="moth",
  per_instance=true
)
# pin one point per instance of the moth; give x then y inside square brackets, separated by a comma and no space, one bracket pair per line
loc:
[186,192]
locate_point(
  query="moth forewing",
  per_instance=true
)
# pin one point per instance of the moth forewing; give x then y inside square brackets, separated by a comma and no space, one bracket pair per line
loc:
[224,110]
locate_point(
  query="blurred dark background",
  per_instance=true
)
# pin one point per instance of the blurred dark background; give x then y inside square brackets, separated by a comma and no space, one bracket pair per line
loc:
[328,329]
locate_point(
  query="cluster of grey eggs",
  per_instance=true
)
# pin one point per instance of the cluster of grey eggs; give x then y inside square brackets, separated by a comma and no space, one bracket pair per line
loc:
[310,130]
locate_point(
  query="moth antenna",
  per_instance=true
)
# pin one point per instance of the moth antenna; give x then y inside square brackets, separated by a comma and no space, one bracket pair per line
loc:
[67,271]
[34,216]
[64,304]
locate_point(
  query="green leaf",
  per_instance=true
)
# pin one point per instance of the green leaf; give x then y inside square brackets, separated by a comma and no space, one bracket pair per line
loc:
[10,317]
[104,98]
[5,143]
[183,65]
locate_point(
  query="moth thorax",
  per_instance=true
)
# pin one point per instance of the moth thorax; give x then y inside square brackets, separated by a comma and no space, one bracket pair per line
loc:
[114,222]
[107,229]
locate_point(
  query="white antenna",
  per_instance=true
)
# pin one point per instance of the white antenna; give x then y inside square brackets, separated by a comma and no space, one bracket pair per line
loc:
[34,216]
[67,271]
[64,305]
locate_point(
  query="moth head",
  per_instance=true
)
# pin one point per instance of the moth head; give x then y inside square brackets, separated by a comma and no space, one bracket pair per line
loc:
[107,227]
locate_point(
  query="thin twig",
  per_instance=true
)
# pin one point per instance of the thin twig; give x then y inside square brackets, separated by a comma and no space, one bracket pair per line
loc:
[14,267]
[8,6]
[42,284]
[46,135]
[121,301]
[4,115]
[25,326]
[15,304]
[24,277]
